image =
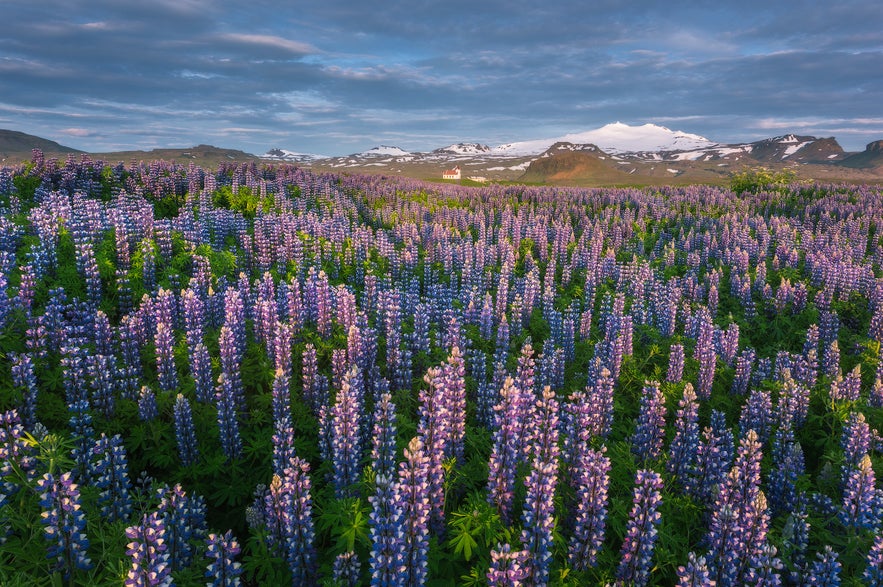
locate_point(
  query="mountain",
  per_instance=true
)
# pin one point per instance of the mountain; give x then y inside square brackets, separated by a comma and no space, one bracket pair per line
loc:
[615,138]
[207,155]
[385,151]
[277,154]
[464,149]
[568,163]
[871,157]
[17,145]
[797,148]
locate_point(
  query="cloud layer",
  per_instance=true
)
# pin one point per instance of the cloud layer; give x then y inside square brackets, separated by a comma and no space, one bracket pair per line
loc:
[337,77]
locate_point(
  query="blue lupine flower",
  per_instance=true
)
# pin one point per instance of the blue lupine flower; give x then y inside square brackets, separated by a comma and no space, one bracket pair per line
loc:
[650,432]
[825,571]
[223,571]
[111,477]
[591,478]
[641,531]
[64,523]
[695,573]
[185,433]
[147,549]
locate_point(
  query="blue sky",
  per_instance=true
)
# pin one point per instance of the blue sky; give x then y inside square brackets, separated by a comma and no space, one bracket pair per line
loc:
[334,77]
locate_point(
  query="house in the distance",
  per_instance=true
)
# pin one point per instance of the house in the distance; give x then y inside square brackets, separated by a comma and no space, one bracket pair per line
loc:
[452,173]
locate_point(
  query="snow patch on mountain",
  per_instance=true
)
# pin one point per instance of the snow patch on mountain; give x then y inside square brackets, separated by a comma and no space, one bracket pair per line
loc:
[464,149]
[286,155]
[614,138]
[386,151]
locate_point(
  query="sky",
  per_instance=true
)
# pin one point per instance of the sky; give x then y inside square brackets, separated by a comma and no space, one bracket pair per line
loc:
[332,77]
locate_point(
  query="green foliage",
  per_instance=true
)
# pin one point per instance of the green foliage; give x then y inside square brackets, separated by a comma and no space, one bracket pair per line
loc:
[757,179]
[244,201]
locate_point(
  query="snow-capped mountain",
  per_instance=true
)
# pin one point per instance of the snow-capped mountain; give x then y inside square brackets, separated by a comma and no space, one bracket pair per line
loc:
[385,151]
[617,149]
[290,156]
[464,149]
[614,138]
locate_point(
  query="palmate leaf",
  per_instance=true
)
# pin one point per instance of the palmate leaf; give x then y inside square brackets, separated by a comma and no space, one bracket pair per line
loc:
[464,544]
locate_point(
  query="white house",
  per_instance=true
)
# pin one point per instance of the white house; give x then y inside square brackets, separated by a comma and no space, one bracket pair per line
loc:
[452,173]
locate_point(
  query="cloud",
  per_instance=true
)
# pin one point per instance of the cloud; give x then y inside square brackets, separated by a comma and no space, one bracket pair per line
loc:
[77,132]
[269,42]
[334,76]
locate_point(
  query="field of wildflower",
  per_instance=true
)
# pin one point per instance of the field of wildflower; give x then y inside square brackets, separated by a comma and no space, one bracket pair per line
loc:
[259,375]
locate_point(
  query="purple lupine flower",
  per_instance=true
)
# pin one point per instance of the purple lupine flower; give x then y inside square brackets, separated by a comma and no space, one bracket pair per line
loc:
[183,518]
[739,520]
[147,549]
[434,431]
[383,450]
[795,541]
[538,517]
[825,572]
[421,328]
[788,465]
[387,540]
[591,477]
[345,570]
[310,374]
[600,400]
[855,441]
[831,360]
[706,355]
[525,382]
[650,432]
[111,477]
[742,376]
[757,414]
[339,367]
[83,434]
[875,396]
[861,501]
[695,573]
[23,378]
[412,493]
[729,343]
[101,369]
[508,568]
[185,433]
[165,360]
[147,409]
[201,370]
[505,454]
[641,531]
[793,402]
[223,571]
[873,574]
[64,523]
[194,320]
[283,432]
[685,444]
[228,424]
[486,322]
[763,568]
[16,454]
[346,441]
[847,388]
[298,533]
[454,377]
[675,363]
[231,359]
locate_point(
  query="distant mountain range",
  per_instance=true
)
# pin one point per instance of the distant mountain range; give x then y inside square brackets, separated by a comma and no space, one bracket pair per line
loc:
[613,154]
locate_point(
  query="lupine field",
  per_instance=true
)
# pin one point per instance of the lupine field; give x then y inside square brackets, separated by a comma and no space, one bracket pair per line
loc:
[262,376]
